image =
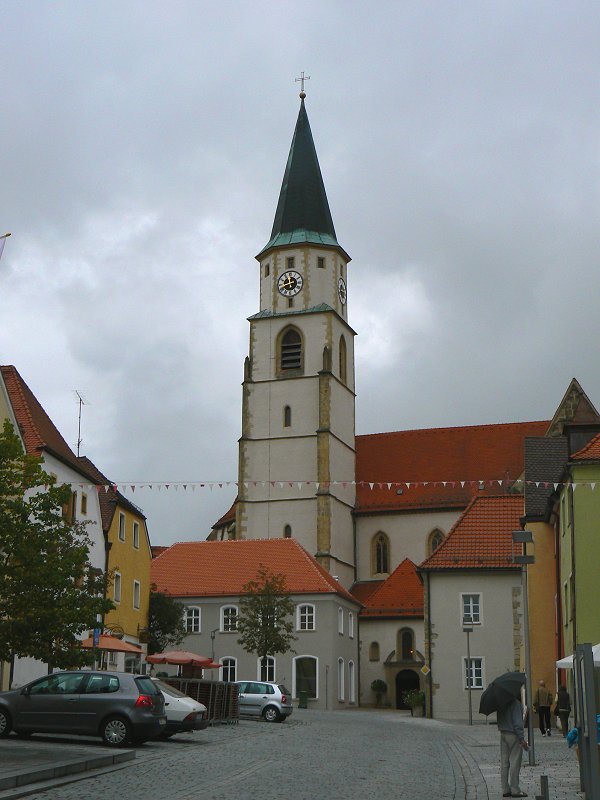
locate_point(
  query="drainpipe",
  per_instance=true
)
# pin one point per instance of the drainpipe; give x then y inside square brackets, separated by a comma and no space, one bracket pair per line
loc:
[429,649]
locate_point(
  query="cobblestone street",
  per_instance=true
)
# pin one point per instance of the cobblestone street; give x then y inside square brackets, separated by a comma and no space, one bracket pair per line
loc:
[334,755]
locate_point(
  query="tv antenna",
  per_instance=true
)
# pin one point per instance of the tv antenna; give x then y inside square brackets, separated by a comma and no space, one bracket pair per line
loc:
[82,402]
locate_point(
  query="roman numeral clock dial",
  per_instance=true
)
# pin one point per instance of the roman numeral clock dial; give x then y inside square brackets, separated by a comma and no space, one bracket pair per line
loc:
[290,283]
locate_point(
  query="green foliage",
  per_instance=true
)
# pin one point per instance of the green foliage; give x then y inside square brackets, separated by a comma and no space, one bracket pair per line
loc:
[413,698]
[165,622]
[264,626]
[49,593]
[379,686]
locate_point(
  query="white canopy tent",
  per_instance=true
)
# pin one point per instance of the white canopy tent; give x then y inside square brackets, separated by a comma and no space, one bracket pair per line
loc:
[567,661]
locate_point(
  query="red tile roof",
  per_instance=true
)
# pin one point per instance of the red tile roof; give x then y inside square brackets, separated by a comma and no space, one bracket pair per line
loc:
[37,429]
[207,569]
[482,536]
[468,454]
[364,589]
[590,452]
[401,595]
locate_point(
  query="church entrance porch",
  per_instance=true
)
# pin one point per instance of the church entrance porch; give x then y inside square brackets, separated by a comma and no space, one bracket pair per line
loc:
[405,679]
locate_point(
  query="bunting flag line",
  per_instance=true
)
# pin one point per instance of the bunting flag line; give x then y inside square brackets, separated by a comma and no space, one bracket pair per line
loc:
[397,487]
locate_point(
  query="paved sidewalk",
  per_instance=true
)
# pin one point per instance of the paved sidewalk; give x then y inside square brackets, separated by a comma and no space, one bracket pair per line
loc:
[26,762]
[480,745]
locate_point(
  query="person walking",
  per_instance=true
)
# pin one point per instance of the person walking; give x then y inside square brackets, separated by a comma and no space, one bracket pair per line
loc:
[541,704]
[512,744]
[562,708]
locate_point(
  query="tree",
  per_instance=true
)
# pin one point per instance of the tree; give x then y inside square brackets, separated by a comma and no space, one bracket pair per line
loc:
[165,622]
[49,592]
[264,626]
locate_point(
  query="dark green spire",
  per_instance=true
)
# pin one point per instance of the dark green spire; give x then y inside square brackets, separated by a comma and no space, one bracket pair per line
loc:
[303,213]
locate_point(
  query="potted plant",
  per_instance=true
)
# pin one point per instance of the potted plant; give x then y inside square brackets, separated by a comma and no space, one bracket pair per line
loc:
[380,688]
[415,700]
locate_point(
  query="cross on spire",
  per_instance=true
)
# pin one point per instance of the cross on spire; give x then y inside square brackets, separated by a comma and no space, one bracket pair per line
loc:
[302,78]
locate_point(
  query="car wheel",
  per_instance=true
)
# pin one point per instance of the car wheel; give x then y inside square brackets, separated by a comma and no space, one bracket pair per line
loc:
[271,714]
[115,731]
[5,723]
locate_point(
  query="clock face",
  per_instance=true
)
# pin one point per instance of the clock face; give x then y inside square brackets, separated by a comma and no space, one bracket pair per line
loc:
[290,283]
[342,293]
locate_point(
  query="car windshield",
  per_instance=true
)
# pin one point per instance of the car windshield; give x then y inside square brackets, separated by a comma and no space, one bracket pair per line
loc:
[170,690]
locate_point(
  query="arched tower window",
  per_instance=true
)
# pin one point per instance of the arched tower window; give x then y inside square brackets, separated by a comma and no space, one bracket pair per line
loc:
[380,554]
[405,645]
[436,537]
[290,350]
[287,416]
[343,359]
[287,532]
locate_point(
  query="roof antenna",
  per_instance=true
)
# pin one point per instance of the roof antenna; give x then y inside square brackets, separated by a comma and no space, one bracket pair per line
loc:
[302,78]
[81,402]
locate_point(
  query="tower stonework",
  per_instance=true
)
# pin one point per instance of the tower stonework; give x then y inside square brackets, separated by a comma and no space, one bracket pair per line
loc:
[296,452]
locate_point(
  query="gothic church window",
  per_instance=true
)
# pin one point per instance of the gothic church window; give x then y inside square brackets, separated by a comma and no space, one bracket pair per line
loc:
[287,532]
[290,354]
[405,645]
[380,554]
[436,537]
[343,359]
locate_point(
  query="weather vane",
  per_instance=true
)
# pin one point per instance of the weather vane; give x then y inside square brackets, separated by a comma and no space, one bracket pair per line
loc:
[302,78]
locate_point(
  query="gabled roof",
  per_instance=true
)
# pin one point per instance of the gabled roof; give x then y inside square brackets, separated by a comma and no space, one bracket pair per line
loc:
[482,537]
[590,452]
[37,429]
[468,454]
[302,214]
[401,595]
[575,407]
[214,569]
[227,518]
[364,589]
[108,496]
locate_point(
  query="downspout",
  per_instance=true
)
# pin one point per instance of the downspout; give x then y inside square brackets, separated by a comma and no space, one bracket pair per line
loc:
[429,649]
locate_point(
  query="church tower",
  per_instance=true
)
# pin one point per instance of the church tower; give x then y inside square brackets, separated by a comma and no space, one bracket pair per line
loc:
[296,452]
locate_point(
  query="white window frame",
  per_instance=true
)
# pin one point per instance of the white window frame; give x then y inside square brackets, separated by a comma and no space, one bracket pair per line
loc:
[341,621]
[199,619]
[237,617]
[271,668]
[340,681]
[136,535]
[299,616]
[316,660]
[121,526]
[351,682]
[229,666]
[137,594]
[478,595]
[350,625]
[478,683]
[83,503]
[117,588]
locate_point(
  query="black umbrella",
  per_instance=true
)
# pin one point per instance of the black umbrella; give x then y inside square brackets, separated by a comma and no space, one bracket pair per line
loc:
[501,691]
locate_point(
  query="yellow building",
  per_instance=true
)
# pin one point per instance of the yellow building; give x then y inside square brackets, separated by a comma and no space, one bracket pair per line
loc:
[129,557]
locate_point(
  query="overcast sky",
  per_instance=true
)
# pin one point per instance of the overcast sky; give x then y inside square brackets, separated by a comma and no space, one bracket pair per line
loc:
[143,146]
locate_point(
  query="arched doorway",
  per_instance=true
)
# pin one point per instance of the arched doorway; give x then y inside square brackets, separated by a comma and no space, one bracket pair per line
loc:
[405,679]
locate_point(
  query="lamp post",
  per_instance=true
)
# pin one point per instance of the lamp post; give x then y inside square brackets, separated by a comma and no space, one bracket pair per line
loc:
[525,538]
[212,643]
[468,629]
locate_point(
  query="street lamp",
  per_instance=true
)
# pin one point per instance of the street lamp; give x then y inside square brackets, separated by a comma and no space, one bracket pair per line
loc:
[525,538]
[212,643]
[468,629]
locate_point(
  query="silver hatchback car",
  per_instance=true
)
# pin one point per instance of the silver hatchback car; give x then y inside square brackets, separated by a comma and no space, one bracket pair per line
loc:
[266,699]
[119,707]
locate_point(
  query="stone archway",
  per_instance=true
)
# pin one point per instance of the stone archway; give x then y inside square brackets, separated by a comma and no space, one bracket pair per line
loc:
[405,679]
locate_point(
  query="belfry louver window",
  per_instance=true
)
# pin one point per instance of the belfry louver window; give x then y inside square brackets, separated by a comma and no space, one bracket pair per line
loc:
[291,351]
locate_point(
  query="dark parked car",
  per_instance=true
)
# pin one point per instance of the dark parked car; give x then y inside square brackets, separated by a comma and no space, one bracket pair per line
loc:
[266,699]
[119,707]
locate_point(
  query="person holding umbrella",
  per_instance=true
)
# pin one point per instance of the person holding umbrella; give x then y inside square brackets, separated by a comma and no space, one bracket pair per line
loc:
[503,697]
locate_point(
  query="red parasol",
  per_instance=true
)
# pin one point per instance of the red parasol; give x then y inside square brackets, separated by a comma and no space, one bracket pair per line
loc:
[181,657]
